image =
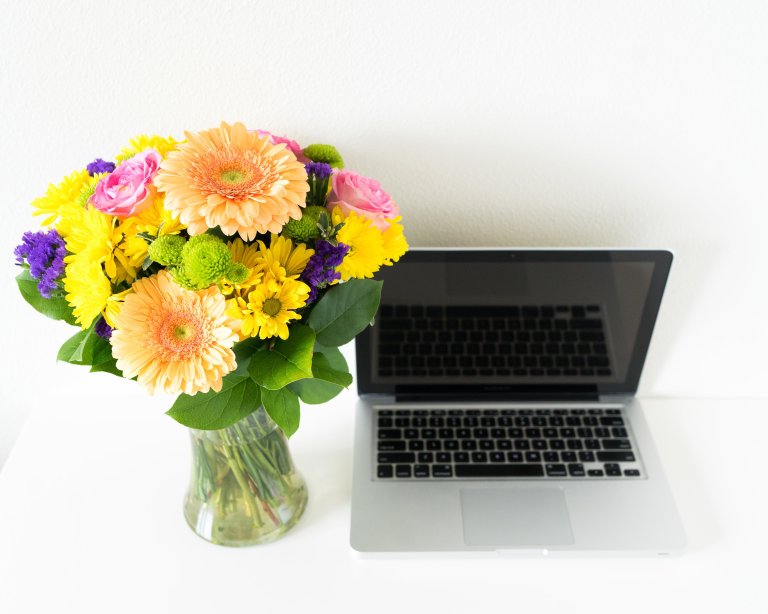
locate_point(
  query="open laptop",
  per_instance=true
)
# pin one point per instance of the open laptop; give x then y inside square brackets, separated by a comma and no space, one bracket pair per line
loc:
[497,407]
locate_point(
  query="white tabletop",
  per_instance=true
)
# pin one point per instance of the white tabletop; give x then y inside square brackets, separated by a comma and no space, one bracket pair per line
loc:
[91,521]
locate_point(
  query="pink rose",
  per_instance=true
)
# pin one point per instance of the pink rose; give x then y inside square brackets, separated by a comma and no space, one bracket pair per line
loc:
[364,196]
[128,189]
[290,145]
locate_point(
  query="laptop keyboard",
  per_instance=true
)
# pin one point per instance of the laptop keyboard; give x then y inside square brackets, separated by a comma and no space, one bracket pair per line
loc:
[493,341]
[462,444]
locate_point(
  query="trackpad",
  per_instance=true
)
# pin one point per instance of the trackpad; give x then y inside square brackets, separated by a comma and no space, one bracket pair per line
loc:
[515,517]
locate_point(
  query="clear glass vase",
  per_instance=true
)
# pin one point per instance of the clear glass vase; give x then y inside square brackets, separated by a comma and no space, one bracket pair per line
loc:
[244,488]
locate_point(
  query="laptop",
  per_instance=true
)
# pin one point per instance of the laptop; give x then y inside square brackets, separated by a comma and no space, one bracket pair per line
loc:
[497,407]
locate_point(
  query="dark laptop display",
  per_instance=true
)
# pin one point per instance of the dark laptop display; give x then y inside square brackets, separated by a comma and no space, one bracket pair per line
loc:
[539,322]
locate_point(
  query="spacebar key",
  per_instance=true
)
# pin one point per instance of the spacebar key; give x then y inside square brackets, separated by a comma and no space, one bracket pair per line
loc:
[498,471]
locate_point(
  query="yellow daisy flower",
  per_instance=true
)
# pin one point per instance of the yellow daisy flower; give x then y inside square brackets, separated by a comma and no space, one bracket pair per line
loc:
[282,251]
[114,305]
[157,220]
[394,243]
[161,144]
[88,289]
[106,239]
[57,196]
[269,308]
[366,246]
[248,256]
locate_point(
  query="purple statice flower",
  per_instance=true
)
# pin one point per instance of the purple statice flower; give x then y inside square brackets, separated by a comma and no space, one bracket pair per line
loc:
[100,166]
[44,253]
[320,169]
[321,268]
[103,329]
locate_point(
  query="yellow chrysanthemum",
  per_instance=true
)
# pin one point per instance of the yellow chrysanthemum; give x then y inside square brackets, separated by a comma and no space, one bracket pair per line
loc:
[57,196]
[88,289]
[394,243]
[282,251]
[234,179]
[105,239]
[161,144]
[248,256]
[156,219]
[172,339]
[366,246]
[269,308]
[114,305]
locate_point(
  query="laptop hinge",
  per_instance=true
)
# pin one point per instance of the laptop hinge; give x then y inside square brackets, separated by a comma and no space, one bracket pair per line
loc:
[500,398]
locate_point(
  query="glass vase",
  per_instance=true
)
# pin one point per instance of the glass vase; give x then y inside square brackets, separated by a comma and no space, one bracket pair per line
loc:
[244,488]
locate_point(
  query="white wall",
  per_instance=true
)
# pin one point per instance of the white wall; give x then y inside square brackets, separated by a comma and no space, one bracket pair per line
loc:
[492,123]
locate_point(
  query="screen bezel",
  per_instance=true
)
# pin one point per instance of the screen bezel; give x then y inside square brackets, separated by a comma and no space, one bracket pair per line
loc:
[661,259]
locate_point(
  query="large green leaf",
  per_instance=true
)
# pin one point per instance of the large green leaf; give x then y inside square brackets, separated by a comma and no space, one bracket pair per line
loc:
[55,307]
[289,360]
[283,407]
[326,382]
[239,397]
[345,310]
[103,359]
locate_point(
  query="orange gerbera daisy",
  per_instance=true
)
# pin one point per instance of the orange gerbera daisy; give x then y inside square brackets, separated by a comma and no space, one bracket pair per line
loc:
[172,339]
[235,179]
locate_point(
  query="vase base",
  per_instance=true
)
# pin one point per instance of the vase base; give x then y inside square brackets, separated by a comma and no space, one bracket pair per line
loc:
[238,528]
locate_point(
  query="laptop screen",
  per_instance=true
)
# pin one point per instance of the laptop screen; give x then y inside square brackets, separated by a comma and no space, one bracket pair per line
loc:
[537,322]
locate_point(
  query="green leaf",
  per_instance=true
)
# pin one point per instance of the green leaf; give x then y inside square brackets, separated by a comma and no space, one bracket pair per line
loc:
[244,350]
[335,357]
[286,362]
[102,358]
[87,348]
[239,397]
[322,370]
[326,383]
[55,307]
[345,310]
[283,407]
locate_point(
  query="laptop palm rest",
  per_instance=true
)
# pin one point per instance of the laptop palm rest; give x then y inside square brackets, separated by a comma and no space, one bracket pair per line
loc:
[515,517]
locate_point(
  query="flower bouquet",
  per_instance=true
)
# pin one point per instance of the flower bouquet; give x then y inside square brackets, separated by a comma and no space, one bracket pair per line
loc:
[227,268]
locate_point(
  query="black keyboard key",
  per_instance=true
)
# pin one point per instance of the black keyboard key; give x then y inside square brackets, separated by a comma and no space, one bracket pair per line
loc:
[469,444]
[384,471]
[616,444]
[515,457]
[612,469]
[616,457]
[533,457]
[568,457]
[499,471]
[443,471]
[391,446]
[396,457]
[403,471]
[556,470]
[434,444]
[595,473]
[443,457]
[390,434]
[576,470]
[461,457]
[497,457]
[479,457]
[587,456]
[451,444]
[632,473]
[612,421]
[385,423]
[426,457]
[551,457]
[421,471]
[486,444]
